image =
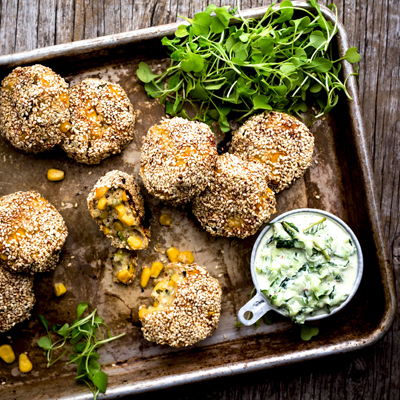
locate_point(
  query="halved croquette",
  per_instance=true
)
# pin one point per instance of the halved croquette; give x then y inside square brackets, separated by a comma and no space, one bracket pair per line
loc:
[117,206]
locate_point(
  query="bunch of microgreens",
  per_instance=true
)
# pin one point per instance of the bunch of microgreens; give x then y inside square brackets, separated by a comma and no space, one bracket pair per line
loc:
[229,71]
[83,336]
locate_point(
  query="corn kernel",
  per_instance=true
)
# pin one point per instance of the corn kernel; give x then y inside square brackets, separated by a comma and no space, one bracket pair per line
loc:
[100,192]
[186,257]
[59,289]
[120,210]
[106,230]
[65,127]
[124,196]
[102,204]
[25,364]
[127,220]
[144,279]
[160,286]
[118,226]
[134,242]
[173,254]
[55,175]
[165,219]
[174,279]
[155,304]
[156,268]
[7,353]
[3,257]
[142,312]
[125,276]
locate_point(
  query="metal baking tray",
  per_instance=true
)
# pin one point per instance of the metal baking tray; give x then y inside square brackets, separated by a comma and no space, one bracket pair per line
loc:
[339,181]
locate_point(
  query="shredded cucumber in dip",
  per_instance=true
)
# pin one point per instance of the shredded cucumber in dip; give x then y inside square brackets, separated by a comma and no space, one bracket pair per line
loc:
[305,272]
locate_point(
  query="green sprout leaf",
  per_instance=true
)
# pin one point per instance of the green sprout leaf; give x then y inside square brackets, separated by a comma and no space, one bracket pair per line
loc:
[100,380]
[352,56]
[144,73]
[307,332]
[45,323]
[181,31]
[261,102]
[81,308]
[44,343]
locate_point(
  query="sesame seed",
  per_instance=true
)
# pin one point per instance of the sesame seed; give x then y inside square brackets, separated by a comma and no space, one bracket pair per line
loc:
[90,173]
[72,257]
[69,264]
[76,205]
[317,197]
[224,336]
[220,275]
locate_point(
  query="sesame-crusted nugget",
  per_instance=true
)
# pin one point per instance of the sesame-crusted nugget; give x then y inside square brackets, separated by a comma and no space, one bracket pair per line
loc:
[237,201]
[32,233]
[280,142]
[102,121]
[16,298]
[117,206]
[186,309]
[34,110]
[177,159]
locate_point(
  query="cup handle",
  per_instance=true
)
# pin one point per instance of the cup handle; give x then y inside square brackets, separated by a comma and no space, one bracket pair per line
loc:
[258,306]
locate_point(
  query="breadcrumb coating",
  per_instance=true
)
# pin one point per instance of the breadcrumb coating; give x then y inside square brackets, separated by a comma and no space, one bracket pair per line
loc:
[33,108]
[192,315]
[32,233]
[280,142]
[177,159]
[16,298]
[237,201]
[102,121]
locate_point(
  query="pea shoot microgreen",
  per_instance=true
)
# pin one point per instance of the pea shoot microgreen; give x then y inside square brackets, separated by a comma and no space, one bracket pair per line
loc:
[84,336]
[227,67]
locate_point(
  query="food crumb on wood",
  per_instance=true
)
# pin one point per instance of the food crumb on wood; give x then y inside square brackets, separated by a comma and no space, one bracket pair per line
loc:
[72,257]
[3,383]
[62,204]
[222,252]
[176,223]
[8,337]
[216,267]
[69,264]
[90,173]
[224,336]
[219,276]
[316,161]
[76,205]
[317,197]
[113,365]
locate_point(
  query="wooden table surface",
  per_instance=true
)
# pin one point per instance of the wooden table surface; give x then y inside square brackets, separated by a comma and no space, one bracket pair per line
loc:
[374,27]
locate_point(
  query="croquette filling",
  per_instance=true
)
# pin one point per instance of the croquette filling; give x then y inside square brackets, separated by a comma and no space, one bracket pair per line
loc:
[123,263]
[117,217]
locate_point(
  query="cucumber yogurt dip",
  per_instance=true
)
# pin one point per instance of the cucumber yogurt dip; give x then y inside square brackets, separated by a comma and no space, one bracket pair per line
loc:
[306,265]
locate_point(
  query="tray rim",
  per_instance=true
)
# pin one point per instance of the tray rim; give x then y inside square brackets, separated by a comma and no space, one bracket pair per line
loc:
[357,126]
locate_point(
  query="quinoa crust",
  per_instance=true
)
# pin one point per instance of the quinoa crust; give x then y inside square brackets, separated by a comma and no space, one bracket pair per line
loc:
[33,108]
[16,298]
[282,143]
[192,316]
[119,179]
[237,201]
[32,233]
[102,121]
[177,159]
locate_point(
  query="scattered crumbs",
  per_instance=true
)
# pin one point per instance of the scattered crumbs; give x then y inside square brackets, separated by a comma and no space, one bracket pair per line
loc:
[216,267]
[219,276]
[224,336]
[317,197]
[69,264]
[176,223]
[323,119]
[3,383]
[90,173]
[222,252]
[76,205]
[72,257]
[8,337]
[316,161]
[62,204]
[113,365]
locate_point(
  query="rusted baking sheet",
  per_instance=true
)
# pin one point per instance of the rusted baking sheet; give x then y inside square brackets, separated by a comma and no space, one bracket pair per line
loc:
[339,181]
